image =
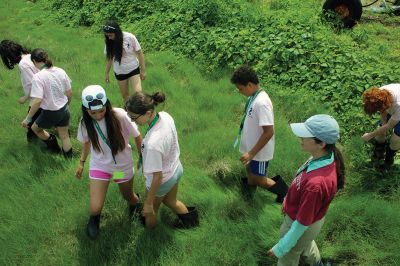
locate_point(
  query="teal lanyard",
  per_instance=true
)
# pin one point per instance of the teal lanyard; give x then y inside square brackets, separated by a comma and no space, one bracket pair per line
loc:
[151,125]
[249,102]
[104,139]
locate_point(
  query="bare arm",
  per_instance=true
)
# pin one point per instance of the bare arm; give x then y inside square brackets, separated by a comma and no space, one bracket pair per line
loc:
[108,67]
[268,132]
[68,93]
[381,130]
[34,108]
[142,65]
[84,155]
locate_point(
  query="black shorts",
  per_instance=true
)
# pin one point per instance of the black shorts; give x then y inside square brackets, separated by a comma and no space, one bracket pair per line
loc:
[48,119]
[126,76]
[35,116]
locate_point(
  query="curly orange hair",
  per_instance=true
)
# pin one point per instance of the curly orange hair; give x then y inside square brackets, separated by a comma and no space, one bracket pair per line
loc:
[376,100]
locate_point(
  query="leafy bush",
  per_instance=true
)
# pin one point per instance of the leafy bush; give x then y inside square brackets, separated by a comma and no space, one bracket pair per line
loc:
[291,50]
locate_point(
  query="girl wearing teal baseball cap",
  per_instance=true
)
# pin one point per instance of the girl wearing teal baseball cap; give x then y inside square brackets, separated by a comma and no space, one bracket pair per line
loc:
[311,192]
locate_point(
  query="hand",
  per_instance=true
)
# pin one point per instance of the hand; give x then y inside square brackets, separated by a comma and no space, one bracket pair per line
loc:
[148,209]
[271,254]
[107,78]
[25,123]
[79,170]
[22,99]
[142,75]
[246,158]
[366,137]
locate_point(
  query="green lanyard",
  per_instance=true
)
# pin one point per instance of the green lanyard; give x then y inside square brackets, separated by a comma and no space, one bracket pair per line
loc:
[151,125]
[104,139]
[249,102]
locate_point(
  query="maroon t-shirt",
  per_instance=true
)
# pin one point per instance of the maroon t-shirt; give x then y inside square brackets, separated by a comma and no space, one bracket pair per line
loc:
[310,194]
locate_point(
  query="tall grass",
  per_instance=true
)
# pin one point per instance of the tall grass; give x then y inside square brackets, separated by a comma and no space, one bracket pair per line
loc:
[44,209]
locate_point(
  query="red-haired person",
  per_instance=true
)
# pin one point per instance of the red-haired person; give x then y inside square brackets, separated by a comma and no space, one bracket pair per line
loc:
[385,101]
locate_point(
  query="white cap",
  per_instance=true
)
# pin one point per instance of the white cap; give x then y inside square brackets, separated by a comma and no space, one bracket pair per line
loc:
[94,97]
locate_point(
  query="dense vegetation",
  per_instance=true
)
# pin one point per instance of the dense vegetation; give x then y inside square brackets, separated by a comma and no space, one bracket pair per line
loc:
[306,66]
[286,41]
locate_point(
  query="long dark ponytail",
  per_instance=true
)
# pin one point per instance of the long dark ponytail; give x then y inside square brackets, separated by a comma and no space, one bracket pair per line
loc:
[11,53]
[113,126]
[114,47]
[39,55]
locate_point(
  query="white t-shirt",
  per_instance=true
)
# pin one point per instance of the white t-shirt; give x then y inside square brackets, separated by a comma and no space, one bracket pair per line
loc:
[259,114]
[160,149]
[129,61]
[394,110]
[103,160]
[50,85]
[27,69]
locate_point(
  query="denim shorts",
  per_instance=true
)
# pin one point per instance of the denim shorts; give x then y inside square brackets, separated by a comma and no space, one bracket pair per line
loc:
[167,186]
[259,168]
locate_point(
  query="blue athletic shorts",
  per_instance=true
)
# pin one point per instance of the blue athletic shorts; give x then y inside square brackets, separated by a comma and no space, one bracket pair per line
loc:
[259,168]
[167,186]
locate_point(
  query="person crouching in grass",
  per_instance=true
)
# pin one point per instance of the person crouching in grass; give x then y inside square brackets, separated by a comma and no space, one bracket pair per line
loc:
[161,165]
[256,135]
[104,132]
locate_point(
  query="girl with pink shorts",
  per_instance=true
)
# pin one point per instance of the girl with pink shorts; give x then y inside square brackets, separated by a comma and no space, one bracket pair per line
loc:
[104,132]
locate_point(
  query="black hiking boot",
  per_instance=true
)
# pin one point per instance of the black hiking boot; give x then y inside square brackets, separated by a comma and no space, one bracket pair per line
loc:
[92,228]
[188,220]
[378,152]
[67,154]
[136,209]
[52,144]
[246,189]
[279,188]
[30,135]
[389,158]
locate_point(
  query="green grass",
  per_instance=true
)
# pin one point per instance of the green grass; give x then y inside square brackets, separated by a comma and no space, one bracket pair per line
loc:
[44,209]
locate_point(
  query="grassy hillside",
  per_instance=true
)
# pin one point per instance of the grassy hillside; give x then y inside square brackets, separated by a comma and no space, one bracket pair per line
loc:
[44,209]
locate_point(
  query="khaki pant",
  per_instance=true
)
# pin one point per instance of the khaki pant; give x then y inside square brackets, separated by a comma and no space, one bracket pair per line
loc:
[306,248]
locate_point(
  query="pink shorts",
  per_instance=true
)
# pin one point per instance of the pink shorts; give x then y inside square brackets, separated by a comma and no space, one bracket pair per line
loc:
[101,175]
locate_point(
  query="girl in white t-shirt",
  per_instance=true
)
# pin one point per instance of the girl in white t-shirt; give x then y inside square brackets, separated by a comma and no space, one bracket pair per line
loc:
[12,54]
[123,51]
[160,158]
[104,132]
[51,91]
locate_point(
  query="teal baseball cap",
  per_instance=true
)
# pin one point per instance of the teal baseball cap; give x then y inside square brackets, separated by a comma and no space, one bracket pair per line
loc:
[322,127]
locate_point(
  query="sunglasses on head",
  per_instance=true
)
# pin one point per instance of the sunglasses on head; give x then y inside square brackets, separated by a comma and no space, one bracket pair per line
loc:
[106,27]
[90,98]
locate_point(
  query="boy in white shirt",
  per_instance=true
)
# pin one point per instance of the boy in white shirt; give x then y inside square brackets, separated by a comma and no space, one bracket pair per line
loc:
[256,135]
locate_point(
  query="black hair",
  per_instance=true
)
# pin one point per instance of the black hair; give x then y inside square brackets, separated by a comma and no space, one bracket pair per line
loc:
[338,157]
[113,47]
[243,75]
[11,53]
[39,55]
[113,127]
[139,103]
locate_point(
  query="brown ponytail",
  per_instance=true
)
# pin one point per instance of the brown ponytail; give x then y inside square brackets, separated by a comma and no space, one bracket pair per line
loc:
[140,103]
[39,55]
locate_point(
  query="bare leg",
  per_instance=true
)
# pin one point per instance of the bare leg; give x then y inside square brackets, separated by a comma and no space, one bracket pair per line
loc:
[136,83]
[395,142]
[171,202]
[41,133]
[261,181]
[151,219]
[64,136]
[126,190]
[98,190]
[124,89]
